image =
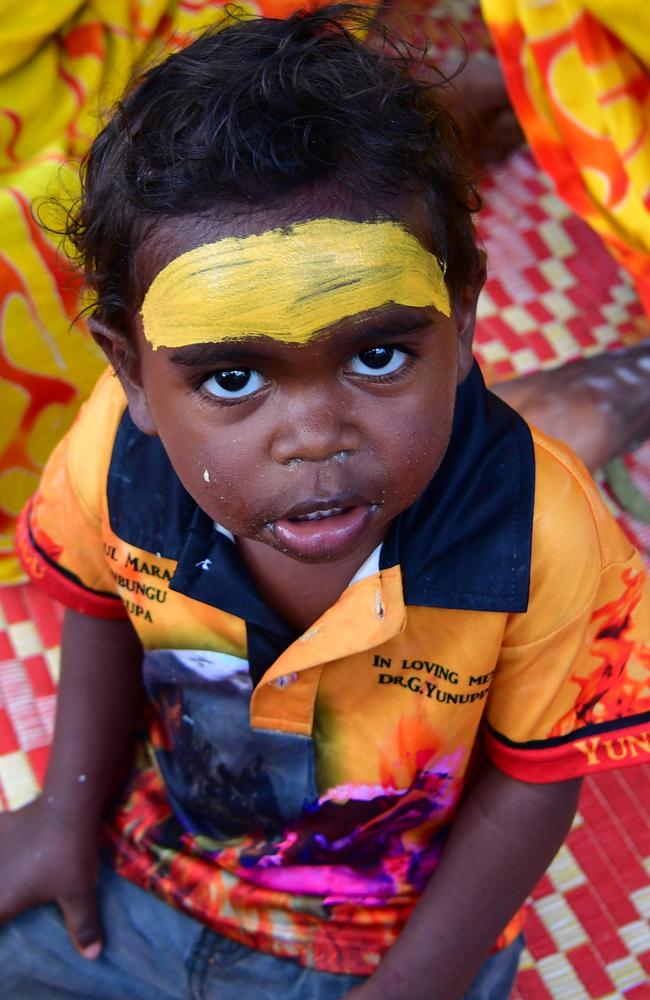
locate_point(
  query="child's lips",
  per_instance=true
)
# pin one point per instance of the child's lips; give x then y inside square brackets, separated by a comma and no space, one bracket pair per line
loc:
[322,533]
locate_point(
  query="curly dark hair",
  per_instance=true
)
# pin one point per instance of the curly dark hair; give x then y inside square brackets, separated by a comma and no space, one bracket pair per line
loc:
[258,107]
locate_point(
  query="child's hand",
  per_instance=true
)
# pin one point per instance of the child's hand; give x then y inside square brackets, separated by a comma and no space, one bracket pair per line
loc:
[43,859]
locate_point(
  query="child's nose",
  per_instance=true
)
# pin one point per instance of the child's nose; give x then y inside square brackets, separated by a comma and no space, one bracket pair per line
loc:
[314,428]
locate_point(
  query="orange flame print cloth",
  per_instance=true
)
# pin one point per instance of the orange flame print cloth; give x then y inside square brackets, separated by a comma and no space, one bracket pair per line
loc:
[578,75]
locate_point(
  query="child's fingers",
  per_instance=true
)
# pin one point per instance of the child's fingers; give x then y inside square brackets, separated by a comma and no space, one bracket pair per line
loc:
[82,922]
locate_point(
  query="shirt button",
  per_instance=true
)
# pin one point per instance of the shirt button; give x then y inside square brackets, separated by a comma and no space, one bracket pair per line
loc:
[285,680]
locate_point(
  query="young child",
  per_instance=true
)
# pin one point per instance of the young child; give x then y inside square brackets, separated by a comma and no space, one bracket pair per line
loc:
[379,626]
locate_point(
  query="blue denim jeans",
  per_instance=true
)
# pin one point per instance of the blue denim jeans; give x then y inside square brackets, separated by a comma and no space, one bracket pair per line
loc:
[154,952]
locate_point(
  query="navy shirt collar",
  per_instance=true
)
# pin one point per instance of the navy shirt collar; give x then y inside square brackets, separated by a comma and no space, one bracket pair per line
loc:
[466,542]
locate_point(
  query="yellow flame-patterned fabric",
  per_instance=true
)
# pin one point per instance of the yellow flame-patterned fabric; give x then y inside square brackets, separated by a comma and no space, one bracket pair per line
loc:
[578,74]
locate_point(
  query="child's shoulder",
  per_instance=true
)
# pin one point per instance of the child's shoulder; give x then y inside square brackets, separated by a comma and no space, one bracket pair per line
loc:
[59,536]
[87,448]
[104,407]
[570,507]
[576,540]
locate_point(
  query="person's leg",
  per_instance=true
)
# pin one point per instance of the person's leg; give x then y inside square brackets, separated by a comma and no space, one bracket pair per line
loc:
[225,970]
[600,406]
[154,952]
[496,977]
[147,948]
[229,971]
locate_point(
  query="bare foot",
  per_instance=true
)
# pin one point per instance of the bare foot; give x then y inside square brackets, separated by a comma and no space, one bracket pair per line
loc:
[600,406]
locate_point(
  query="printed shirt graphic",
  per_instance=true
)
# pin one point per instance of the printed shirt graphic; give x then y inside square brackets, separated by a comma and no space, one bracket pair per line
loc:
[294,791]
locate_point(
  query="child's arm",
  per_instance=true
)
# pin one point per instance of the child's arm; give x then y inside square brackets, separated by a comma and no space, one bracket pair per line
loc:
[48,849]
[503,839]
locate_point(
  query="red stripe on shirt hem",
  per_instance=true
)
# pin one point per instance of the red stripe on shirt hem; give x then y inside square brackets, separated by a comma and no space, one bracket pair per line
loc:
[582,756]
[54,582]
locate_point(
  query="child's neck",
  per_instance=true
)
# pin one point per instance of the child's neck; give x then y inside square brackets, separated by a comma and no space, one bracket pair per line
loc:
[299,592]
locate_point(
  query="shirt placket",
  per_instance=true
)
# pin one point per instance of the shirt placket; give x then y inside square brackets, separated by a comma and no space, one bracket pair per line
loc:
[366,615]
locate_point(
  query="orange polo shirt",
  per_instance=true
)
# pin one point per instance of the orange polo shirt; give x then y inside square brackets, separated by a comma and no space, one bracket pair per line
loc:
[294,791]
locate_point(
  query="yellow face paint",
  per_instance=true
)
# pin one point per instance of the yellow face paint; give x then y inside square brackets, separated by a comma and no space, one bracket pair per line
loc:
[289,283]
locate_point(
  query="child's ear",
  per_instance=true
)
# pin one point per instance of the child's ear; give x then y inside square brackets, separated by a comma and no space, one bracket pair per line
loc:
[122,354]
[465,316]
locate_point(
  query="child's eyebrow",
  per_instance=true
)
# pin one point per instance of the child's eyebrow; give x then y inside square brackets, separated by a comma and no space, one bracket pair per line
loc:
[200,355]
[394,321]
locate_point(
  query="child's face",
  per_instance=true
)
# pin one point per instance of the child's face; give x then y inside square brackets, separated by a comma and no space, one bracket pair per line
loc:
[311,446]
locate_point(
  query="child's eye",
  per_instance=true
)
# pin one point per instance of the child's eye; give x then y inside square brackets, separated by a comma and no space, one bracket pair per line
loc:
[233,383]
[378,361]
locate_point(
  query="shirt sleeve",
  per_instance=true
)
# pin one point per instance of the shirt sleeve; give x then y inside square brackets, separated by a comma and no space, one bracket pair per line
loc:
[571,691]
[60,538]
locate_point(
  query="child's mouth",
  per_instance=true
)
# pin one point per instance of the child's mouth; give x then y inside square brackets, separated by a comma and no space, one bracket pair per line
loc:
[323,532]
[318,515]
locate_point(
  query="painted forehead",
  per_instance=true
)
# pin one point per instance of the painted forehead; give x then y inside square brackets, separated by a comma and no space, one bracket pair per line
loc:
[289,283]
